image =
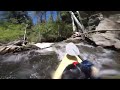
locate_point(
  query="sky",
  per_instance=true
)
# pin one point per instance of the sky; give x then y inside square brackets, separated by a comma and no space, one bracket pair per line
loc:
[34,19]
[47,14]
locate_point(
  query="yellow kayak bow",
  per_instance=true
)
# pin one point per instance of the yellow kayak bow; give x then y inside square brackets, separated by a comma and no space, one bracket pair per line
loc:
[63,64]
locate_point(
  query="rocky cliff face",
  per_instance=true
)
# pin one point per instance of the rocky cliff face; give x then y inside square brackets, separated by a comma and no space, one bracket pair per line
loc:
[108,38]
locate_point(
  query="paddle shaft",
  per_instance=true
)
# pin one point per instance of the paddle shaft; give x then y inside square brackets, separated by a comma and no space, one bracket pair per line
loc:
[80,57]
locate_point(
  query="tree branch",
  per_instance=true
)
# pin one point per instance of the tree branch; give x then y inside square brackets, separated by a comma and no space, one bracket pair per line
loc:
[73,24]
[102,30]
[80,19]
[76,20]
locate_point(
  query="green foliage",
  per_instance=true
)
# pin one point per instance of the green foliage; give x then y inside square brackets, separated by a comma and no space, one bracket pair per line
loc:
[14,27]
[18,17]
[10,32]
[50,31]
[66,17]
[58,16]
[39,15]
[50,19]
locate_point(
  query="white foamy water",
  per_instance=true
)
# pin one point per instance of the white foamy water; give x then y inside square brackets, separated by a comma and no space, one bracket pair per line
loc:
[16,58]
[109,72]
[60,54]
[101,58]
[43,45]
[45,51]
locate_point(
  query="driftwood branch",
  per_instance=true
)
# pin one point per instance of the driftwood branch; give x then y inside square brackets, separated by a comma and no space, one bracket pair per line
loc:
[73,24]
[25,33]
[85,34]
[14,48]
[101,30]
[79,16]
[76,20]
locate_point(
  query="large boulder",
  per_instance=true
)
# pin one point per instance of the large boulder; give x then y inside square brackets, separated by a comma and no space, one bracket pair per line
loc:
[108,38]
[107,24]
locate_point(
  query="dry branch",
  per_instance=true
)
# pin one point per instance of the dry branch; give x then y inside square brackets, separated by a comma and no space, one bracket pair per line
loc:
[101,30]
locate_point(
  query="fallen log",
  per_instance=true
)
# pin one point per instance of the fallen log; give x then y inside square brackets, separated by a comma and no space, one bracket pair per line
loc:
[14,48]
[2,48]
[101,31]
[76,20]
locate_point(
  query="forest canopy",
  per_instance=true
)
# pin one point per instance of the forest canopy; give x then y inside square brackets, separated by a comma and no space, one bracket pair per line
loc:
[39,25]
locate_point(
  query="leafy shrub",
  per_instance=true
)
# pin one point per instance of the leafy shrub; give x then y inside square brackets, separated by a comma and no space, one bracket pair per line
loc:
[10,32]
[51,31]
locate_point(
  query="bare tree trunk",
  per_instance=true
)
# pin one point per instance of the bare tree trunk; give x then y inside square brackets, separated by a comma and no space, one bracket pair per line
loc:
[59,31]
[39,37]
[38,19]
[51,13]
[41,18]
[45,16]
[79,24]
[80,19]
[73,24]
[25,34]
[79,15]
[58,15]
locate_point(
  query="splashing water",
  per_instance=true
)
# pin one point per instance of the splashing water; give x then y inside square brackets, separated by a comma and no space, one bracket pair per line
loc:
[38,64]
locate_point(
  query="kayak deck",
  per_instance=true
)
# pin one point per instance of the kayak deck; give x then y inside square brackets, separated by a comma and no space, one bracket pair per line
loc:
[64,63]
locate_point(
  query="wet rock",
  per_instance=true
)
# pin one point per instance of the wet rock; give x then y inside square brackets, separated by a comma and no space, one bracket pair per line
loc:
[117,44]
[76,34]
[99,49]
[108,38]
[94,20]
[102,39]
[107,24]
[41,63]
[20,42]
[0,44]
[15,48]
[74,40]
